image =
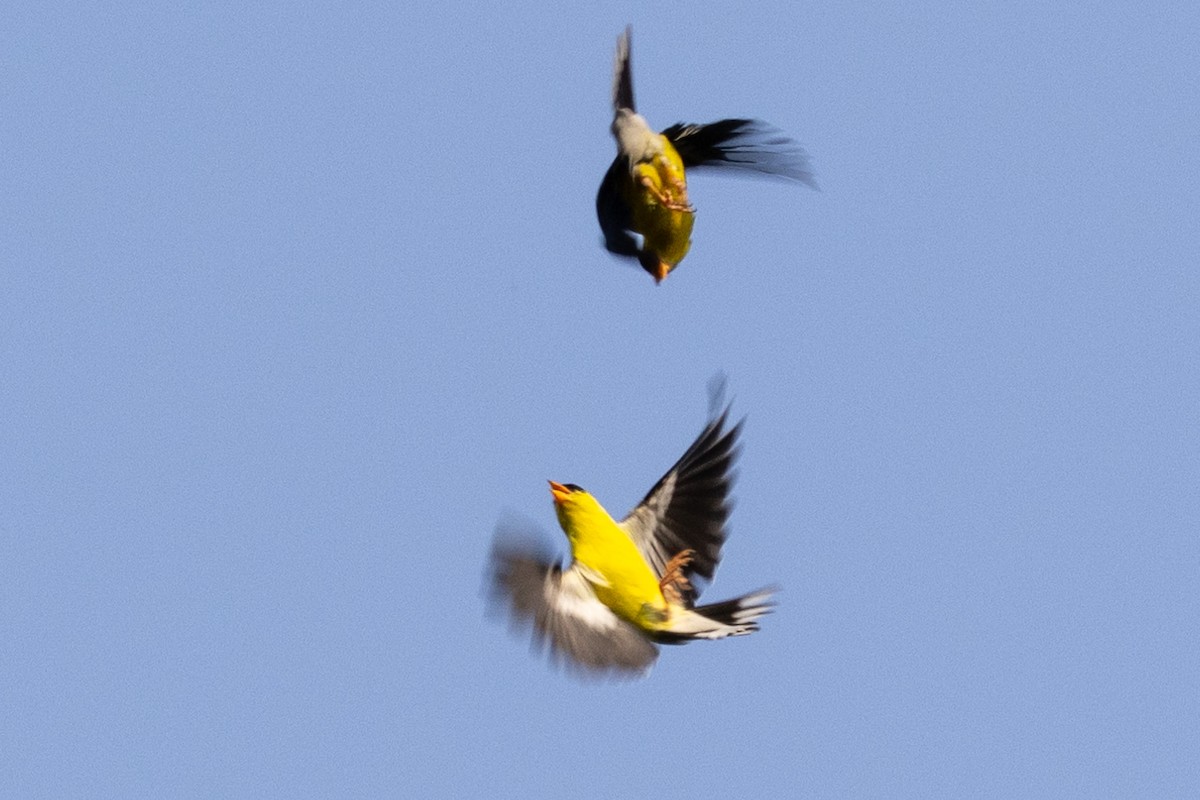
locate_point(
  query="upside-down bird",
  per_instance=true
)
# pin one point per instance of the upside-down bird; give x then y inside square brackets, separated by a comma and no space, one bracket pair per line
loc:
[643,204]
[632,585]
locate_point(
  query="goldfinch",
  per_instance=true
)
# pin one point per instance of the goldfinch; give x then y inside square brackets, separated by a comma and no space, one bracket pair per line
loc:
[643,204]
[632,585]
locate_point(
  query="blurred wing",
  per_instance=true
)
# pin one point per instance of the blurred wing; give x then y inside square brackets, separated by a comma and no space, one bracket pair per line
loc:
[688,507]
[623,73]
[746,144]
[613,213]
[566,613]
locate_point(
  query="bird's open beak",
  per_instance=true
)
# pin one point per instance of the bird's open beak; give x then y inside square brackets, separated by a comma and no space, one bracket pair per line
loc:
[559,491]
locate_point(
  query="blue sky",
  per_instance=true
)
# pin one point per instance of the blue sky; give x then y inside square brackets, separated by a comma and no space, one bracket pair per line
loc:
[296,303]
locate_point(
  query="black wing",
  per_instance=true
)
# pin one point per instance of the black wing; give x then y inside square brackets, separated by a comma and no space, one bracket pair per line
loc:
[614,215]
[746,144]
[688,507]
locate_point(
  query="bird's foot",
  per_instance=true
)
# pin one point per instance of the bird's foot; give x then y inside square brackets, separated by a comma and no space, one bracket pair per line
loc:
[666,199]
[674,584]
[680,192]
[677,186]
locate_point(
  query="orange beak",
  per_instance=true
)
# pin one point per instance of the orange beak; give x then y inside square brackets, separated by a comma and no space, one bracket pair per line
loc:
[559,492]
[661,274]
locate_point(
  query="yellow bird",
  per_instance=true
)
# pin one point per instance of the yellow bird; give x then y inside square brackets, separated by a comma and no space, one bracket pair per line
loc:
[643,204]
[632,584]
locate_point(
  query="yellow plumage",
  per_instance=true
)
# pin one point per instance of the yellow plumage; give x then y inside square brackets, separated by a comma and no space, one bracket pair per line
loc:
[659,208]
[620,576]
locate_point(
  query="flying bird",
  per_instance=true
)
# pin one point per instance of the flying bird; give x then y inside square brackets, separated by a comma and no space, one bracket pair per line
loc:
[643,205]
[632,585]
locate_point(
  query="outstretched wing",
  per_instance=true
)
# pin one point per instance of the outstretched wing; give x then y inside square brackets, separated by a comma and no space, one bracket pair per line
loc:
[566,614]
[688,507]
[747,144]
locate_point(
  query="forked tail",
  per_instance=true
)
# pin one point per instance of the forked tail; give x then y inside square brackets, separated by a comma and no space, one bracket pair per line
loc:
[736,617]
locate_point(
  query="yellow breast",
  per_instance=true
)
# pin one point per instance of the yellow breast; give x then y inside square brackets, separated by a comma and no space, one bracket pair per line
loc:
[659,207]
[621,578]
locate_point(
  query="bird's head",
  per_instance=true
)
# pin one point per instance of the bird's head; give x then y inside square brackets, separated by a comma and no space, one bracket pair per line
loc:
[657,268]
[572,503]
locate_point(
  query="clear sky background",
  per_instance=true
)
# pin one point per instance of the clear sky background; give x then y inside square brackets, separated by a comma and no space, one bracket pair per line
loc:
[296,303]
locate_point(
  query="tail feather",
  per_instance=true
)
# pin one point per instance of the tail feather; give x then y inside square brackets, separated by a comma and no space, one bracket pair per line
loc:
[742,611]
[623,73]
[736,617]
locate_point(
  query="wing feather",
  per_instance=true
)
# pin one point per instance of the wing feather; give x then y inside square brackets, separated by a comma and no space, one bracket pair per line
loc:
[747,144]
[689,506]
[616,220]
[565,614]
